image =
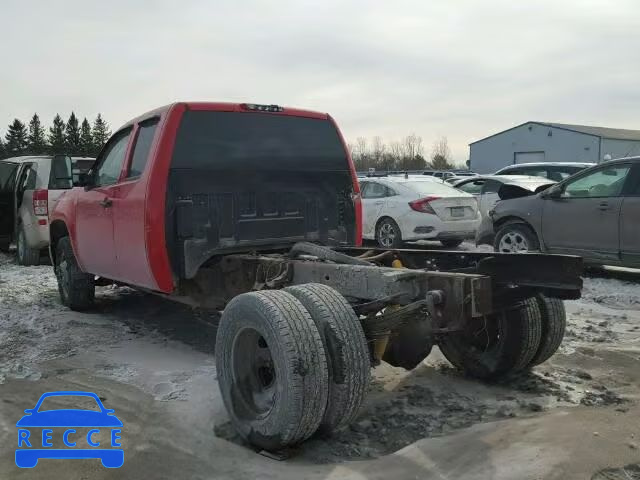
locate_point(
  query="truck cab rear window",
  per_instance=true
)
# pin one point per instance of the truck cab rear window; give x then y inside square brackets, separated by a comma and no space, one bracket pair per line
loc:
[239,140]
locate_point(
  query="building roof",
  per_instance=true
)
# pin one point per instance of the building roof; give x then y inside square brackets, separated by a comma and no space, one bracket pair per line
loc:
[602,132]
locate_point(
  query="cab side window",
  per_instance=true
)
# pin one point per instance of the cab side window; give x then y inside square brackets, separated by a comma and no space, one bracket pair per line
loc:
[144,140]
[108,172]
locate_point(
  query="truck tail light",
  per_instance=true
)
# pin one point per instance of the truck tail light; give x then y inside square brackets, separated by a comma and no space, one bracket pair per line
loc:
[41,202]
[423,205]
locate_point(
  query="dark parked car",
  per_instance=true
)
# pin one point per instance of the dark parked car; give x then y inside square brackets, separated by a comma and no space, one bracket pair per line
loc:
[594,214]
[556,171]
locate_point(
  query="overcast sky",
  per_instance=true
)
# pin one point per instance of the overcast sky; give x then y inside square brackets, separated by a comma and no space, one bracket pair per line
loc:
[463,69]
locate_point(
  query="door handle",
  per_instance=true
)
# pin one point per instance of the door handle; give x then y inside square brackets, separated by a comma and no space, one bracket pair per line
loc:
[603,206]
[378,203]
[106,203]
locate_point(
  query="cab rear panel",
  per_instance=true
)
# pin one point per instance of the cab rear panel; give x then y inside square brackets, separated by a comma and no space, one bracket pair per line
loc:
[249,180]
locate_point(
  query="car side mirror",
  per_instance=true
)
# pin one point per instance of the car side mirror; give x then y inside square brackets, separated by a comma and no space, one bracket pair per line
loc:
[552,193]
[29,410]
[86,180]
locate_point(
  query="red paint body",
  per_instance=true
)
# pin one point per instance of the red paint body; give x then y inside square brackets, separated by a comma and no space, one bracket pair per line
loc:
[127,241]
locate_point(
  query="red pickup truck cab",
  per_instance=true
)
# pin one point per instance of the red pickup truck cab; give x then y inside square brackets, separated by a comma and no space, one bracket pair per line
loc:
[187,182]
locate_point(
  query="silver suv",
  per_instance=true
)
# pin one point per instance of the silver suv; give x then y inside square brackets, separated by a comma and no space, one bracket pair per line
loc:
[29,189]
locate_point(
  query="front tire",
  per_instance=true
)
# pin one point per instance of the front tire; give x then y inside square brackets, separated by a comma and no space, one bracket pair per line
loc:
[498,344]
[516,238]
[26,255]
[76,288]
[346,350]
[388,234]
[272,369]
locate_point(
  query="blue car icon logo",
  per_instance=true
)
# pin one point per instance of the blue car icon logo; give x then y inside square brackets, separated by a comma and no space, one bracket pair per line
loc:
[69,425]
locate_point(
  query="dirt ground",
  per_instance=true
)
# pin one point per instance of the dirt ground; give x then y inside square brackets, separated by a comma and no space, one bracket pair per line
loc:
[574,417]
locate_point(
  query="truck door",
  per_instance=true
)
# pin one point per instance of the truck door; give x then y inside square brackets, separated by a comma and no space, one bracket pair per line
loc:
[95,244]
[7,207]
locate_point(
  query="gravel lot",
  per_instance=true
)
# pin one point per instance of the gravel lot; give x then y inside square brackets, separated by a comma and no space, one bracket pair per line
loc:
[152,361]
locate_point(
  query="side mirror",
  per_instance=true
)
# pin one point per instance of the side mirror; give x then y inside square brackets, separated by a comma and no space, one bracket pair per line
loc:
[29,410]
[62,171]
[552,192]
[86,180]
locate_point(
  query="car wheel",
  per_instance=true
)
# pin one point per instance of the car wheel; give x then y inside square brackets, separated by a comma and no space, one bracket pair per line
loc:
[516,238]
[272,369]
[497,344]
[346,349]
[451,243]
[26,255]
[388,234]
[4,246]
[76,288]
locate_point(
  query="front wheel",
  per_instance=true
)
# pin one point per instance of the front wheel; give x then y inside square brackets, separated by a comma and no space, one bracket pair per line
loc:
[516,238]
[77,288]
[388,234]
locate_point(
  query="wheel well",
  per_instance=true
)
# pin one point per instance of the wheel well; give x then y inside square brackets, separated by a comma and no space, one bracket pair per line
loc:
[57,230]
[509,221]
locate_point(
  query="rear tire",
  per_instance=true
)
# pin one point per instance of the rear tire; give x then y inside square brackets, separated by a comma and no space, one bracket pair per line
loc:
[451,243]
[554,324]
[26,255]
[346,349]
[4,246]
[516,238]
[388,234]
[272,369]
[77,288]
[498,344]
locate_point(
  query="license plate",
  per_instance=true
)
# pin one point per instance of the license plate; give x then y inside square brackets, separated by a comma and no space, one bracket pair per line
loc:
[457,211]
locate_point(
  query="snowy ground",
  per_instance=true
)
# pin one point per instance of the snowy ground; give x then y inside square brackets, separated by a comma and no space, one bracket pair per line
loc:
[152,361]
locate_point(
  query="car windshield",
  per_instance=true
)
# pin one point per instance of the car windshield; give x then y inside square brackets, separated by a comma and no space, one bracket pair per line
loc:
[63,402]
[430,188]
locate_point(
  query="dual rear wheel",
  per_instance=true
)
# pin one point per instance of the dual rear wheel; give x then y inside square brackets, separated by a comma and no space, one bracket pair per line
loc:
[290,363]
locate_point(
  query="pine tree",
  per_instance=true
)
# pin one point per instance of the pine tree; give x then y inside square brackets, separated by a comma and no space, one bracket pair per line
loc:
[3,150]
[86,139]
[16,139]
[72,135]
[56,135]
[101,134]
[36,141]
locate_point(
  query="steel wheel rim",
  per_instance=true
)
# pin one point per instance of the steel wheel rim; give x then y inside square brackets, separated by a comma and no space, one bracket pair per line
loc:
[254,375]
[387,234]
[513,242]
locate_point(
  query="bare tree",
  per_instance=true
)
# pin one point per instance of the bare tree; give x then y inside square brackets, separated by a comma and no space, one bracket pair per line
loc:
[441,154]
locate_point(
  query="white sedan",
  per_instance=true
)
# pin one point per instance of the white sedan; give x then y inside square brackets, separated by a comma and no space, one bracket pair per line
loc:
[399,209]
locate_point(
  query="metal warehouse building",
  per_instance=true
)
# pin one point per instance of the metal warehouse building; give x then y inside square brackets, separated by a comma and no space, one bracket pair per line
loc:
[551,142]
